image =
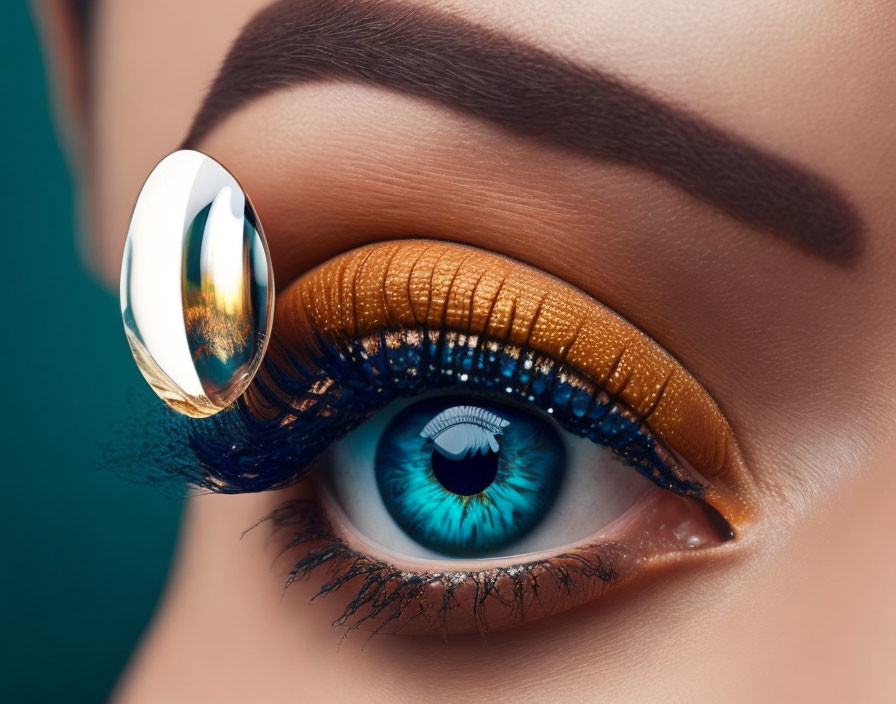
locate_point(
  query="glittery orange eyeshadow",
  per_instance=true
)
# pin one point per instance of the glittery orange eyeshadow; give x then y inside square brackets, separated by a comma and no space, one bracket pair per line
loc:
[419,283]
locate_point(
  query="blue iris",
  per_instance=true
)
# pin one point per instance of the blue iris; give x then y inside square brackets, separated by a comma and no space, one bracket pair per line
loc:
[477,503]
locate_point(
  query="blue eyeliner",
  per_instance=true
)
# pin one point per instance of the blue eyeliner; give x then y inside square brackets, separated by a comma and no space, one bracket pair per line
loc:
[298,406]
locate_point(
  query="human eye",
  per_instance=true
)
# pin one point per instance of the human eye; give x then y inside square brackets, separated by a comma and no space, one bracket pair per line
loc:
[483,478]
[486,443]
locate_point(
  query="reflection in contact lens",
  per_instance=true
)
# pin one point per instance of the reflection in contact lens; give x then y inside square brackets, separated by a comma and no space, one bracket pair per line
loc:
[465,480]
[197,286]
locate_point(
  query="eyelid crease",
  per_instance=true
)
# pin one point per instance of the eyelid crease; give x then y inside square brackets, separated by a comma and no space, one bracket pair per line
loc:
[400,284]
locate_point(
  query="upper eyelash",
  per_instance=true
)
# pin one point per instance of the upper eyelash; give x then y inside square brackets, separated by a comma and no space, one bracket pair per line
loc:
[296,408]
[389,596]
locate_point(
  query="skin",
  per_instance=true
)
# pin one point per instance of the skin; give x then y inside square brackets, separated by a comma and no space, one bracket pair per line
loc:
[798,353]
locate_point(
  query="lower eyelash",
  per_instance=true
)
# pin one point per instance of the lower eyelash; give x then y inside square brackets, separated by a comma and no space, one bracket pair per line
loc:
[390,598]
[298,407]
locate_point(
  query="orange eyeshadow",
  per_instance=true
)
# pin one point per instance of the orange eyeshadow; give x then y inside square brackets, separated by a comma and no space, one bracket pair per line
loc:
[438,285]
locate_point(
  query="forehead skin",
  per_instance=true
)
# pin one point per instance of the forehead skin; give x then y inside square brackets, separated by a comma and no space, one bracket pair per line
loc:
[798,352]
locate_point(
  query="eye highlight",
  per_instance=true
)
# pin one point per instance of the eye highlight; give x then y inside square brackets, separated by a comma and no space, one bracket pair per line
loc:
[460,432]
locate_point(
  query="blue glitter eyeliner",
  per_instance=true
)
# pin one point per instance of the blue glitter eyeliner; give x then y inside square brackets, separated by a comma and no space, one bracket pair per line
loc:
[299,406]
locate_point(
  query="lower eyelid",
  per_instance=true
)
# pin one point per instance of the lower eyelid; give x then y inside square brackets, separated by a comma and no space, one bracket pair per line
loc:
[378,592]
[406,284]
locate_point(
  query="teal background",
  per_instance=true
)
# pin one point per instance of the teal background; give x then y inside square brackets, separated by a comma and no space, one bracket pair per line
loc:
[83,553]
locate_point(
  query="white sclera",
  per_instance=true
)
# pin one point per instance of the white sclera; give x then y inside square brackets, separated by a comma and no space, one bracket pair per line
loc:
[196,285]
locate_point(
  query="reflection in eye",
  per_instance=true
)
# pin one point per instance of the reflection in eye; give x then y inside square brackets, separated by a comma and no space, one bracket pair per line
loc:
[498,414]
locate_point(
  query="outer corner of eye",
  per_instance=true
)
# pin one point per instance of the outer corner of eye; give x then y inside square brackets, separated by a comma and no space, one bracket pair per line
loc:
[196,285]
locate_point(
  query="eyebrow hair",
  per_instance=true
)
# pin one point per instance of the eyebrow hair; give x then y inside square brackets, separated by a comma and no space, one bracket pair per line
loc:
[444,58]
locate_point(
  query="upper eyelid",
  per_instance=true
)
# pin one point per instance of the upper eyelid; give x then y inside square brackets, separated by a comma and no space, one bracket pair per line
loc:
[400,280]
[318,362]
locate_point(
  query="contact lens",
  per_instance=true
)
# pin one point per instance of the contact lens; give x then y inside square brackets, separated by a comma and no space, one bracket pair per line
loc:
[196,285]
[465,480]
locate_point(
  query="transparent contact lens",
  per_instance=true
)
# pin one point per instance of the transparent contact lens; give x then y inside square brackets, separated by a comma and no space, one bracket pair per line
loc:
[196,285]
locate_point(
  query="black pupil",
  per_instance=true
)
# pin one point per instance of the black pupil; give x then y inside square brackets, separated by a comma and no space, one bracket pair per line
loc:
[466,476]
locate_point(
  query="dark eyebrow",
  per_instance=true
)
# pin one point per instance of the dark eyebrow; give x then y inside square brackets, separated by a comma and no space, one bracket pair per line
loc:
[447,59]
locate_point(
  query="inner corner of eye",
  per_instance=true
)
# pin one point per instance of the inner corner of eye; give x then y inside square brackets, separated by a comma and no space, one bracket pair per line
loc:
[461,475]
